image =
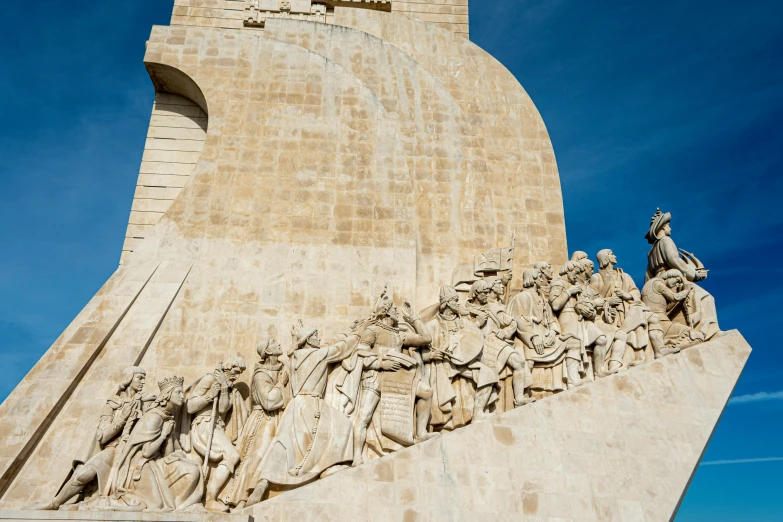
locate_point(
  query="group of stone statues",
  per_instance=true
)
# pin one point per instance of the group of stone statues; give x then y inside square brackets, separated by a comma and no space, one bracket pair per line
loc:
[389,381]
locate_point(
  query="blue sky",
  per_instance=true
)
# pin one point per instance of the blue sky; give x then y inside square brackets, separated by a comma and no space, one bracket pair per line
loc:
[655,103]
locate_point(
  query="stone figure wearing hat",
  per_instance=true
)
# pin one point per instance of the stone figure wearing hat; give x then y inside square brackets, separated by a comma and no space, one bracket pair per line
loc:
[199,430]
[463,386]
[95,458]
[384,338]
[312,436]
[664,255]
[269,394]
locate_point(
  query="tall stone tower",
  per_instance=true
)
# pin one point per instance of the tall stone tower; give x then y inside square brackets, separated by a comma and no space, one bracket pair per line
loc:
[302,155]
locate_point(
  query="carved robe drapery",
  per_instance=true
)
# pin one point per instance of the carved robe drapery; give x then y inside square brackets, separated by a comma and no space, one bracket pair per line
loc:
[535,318]
[166,481]
[268,398]
[312,435]
[631,317]
[663,256]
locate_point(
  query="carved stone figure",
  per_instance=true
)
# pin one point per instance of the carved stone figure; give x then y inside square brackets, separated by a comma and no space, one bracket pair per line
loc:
[668,296]
[312,436]
[624,310]
[499,329]
[456,351]
[269,393]
[151,472]
[214,393]
[576,303]
[545,267]
[664,255]
[587,269]
[543,344]
[400,376]
[96,456]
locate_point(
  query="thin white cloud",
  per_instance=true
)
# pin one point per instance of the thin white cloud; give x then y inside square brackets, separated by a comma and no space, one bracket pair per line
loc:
[757,397]
[740,461]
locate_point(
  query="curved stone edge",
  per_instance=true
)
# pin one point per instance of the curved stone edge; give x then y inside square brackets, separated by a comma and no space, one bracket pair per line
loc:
[622,448]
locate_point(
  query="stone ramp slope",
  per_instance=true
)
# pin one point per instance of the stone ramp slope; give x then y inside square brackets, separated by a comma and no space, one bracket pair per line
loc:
[620,449]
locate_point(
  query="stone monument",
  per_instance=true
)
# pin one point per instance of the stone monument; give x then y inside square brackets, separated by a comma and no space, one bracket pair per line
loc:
[358,171]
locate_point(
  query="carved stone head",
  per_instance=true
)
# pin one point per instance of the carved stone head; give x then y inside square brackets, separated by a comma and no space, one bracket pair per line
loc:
[234,367]
[479,292]
[606,257]
[546,269]
[133,378]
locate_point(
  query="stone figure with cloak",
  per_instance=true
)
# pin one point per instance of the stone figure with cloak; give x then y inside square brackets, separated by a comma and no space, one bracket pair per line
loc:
[95,459]
[313,437]
[269,394]
[539,335]
[664,255]
[624,309]
[463,386]
[151,472]
[215,393]
[668,296]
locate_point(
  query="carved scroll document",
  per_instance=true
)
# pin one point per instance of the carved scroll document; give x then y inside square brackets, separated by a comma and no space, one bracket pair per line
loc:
[397,400]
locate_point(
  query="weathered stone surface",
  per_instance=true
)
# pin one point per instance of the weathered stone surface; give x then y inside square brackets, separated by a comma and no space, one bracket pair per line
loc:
[622,448]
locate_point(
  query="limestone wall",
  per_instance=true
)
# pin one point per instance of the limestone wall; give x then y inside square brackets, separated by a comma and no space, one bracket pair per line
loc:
[178,128]
[232,14]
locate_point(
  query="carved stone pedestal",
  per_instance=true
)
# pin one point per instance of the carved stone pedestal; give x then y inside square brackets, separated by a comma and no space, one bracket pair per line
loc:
[622,448]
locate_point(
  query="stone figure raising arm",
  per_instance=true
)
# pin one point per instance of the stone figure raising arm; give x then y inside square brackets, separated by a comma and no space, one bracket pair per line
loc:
[96,457]
[312,436]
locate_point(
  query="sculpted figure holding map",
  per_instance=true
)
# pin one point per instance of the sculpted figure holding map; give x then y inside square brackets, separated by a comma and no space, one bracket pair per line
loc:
[397,375]
[96,456]
[312,436]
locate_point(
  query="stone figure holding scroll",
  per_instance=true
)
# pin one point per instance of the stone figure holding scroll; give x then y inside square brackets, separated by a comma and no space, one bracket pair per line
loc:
[269,394]
[219,433]
[538,331]
[668,296]
[462,385]
[313,437]
[400,374]
[151,472]
[664,255]
[94,461]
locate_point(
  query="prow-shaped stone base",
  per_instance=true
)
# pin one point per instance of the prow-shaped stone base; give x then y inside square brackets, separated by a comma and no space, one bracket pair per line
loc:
[623,448]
